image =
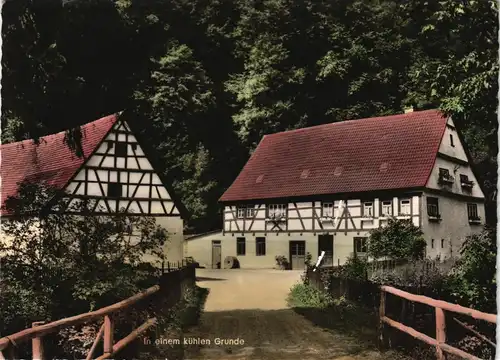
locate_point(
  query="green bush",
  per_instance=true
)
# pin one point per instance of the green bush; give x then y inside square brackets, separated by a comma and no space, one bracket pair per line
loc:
[302,295]
[400,239]
[192,304]
[58,265]
[472,280]
[355,268]
[429,273]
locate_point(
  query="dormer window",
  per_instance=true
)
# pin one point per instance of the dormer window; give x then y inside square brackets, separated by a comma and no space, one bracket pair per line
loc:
[465,182]
[386,208]
[121,149]
[114,190]
[445,177]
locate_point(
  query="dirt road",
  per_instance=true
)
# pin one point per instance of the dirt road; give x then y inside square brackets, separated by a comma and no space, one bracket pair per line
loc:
[240,289]
[246,318]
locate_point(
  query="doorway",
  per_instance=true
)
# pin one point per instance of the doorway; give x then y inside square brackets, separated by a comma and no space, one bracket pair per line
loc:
[325,243]
[216,254]
[297,254]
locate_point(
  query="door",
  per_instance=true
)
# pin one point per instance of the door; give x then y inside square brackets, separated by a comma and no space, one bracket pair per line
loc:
[216,254]
[325,243]
[297,254]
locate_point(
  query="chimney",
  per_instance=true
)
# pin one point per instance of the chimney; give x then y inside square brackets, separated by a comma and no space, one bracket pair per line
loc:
[408,109]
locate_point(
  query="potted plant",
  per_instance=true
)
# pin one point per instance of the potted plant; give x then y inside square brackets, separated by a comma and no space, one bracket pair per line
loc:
[282,262]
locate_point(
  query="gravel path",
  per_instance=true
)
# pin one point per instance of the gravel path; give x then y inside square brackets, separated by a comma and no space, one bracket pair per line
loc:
[239,289]
[246,318]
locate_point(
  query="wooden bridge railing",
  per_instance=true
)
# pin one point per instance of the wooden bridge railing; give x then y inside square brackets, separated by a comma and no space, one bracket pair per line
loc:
[36,333]
[440,341]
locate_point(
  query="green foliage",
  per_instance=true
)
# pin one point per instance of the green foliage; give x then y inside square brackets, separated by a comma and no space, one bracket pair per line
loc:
[206,79]
[304,296]
[429,273]
[282,261]
[308,260]
[455,67]
[355,268]
[400,239]
[193,304]
[472,281]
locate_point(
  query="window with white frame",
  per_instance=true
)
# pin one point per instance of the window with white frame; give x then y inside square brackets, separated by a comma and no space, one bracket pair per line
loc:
[241,212]
[327,209]
[386,208]
[404,207]
[247,211]
[276,210]
[250,211]
[368,209]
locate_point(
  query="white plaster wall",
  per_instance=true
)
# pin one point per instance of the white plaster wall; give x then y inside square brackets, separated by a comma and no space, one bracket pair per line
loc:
[446,148]
[174,249]
[200,248]
[453,227]
[455,171]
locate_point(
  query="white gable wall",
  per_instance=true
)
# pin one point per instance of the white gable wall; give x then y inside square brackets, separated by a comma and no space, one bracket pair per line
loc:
[142,191]
[449,232]
[456,149]
[455,171]
[452,228]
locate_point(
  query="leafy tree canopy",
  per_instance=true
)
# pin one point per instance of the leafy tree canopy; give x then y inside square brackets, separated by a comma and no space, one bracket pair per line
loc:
[59,265]
[206,79]
[399,239]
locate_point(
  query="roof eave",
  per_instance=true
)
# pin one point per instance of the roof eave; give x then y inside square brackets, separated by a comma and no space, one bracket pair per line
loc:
[340,196]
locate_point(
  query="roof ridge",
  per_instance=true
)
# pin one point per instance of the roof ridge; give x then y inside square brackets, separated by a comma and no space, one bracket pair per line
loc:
[352,120]
[50,136]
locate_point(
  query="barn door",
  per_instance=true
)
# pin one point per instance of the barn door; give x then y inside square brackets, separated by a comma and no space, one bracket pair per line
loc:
[297,254]
[216,254]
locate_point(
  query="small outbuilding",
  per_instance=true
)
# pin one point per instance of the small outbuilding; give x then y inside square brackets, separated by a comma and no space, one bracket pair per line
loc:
[205,249]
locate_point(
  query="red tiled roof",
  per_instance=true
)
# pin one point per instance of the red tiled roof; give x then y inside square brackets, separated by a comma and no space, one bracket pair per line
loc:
[51,161]
[381,153]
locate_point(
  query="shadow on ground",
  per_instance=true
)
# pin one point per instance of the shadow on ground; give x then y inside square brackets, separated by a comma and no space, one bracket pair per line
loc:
[358,323]
[209,279]
[290,334]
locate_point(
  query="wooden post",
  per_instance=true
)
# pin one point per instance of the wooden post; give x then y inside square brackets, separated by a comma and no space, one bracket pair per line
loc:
[440,333]
[403,311]
[36,343]
[9,353]
[96,341]
[381,325]
[163,267]
[108,335]
[168,266]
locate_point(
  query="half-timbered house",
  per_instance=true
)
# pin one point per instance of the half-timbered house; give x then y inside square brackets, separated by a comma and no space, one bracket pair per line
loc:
[325,187]
[116,171]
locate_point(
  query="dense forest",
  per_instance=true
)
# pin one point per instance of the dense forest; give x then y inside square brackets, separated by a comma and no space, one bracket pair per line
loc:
[205,79]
